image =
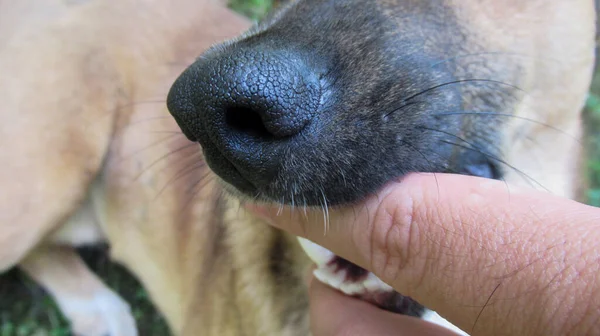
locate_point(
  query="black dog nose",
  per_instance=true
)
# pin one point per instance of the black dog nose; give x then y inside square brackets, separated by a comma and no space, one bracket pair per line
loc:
[243,105]
[265,92]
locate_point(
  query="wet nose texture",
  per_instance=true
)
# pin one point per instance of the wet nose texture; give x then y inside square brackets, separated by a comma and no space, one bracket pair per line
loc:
[245,107]
[268,94]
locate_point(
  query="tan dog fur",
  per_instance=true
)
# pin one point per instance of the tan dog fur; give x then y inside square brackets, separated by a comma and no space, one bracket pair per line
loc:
[90,153]
[83,95]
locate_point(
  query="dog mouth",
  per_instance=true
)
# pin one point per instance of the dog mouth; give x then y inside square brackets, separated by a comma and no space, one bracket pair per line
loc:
[357,282]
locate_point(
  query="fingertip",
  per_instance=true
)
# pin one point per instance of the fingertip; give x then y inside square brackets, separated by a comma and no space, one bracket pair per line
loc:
[330,311]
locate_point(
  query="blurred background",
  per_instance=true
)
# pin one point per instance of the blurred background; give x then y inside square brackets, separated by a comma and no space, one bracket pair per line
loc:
[25,309]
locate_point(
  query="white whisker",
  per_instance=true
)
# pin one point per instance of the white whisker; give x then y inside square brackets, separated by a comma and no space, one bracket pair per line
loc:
[325,212]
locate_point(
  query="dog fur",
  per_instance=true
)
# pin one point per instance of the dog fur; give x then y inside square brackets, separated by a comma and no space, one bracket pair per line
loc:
[90,152]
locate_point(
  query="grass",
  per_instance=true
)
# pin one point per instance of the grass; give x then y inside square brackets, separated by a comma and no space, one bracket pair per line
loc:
[254,9]
[592,123]
[26,310]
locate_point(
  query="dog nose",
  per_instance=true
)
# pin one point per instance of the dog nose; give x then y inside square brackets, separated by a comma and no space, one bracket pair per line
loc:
[244,105]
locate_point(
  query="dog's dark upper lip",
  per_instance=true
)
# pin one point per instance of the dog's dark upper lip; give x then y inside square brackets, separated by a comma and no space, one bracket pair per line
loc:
[236,177]
[243,177]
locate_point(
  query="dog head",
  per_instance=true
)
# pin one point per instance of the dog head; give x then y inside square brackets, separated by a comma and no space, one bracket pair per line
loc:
[327,100]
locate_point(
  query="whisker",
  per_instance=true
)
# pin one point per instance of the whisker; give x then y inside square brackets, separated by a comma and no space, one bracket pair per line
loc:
[325,212]
[426,159]
[153,163]
[203,177]
[406,102]
[324,219]
[475,149]
[121,131]
[129,104]
[185,161]
[493,53]
[305,206]
[158,142]
[496,147]
[182,64]
[195,191]
[453,135]
[303,223]
[508,115]
[144,102]
[280,209]
[181,173]
[240,205]
[256,197]
[147,119]
[196,188]
[166,132]
[292,196]
[403,106]
[460,81]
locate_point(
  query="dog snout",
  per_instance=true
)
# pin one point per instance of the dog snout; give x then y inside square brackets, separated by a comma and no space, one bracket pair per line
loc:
[245,106]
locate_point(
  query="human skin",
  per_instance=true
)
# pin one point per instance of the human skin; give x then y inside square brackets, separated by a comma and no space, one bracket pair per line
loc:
[492,259]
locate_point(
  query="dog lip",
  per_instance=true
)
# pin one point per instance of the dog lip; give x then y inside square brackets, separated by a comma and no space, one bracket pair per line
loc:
[227,171]
[357,282]
[242,184]
[240,173]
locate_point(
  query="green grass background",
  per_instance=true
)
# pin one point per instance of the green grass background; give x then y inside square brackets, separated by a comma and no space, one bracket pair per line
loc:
[592,141]
[26,310]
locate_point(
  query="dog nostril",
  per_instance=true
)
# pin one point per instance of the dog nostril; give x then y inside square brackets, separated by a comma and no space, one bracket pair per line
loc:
[246,120]
[258,92]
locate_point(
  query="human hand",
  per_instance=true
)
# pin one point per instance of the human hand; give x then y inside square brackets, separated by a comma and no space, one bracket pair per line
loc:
[492,260]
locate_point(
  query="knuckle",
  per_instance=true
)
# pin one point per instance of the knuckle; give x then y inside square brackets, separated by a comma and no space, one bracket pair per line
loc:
[395,237]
